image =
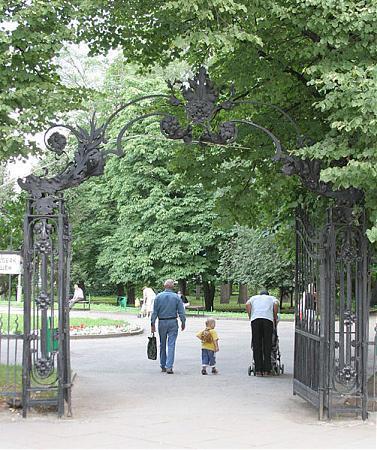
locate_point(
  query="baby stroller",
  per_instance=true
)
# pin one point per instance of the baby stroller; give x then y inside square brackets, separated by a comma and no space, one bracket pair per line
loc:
[277,367]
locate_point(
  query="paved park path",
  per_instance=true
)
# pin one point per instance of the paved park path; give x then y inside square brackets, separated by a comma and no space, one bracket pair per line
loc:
[122,400]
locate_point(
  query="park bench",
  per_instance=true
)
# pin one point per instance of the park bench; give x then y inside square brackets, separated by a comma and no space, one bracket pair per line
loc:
[198,309]
[85,303]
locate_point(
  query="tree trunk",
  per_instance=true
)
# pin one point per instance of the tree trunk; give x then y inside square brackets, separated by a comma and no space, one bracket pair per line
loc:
[242,293]
[291,293]
[130,294]
[373,297]
[120,289]
[282,293]
[209,294]
[183,286]
[225,293]
[198,291]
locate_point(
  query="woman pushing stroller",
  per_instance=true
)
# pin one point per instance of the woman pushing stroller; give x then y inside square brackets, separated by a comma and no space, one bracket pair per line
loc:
[263,313]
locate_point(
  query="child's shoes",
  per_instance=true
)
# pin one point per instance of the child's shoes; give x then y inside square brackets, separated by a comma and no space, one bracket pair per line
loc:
[204,372]
[214,370]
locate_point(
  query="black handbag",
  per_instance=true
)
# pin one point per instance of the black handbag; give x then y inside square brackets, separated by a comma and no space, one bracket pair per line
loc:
[152,347]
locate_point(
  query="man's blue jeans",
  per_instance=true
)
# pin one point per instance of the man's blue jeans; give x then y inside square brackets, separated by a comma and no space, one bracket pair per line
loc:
[168,332]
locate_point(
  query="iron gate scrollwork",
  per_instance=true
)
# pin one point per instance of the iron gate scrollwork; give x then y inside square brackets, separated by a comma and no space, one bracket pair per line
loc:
[46,354]
[332,304]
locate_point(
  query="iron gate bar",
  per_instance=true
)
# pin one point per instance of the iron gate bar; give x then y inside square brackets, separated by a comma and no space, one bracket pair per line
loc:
[199,99]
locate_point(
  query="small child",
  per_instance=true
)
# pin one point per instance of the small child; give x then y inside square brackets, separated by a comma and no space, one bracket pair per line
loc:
[210,345]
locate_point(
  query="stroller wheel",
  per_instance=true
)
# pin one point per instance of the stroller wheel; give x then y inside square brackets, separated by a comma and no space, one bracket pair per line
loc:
[249,370]
[282,369]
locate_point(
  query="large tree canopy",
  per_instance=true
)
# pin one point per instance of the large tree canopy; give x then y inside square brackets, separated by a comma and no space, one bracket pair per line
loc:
[314,58]
[254,257]
[139,223]
[31,93]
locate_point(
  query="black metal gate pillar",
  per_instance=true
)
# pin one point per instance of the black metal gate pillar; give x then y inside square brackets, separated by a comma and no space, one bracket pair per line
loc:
[331,323]
[347,322]
[46,352]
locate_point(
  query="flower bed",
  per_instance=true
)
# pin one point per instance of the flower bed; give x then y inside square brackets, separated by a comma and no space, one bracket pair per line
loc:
[124,329]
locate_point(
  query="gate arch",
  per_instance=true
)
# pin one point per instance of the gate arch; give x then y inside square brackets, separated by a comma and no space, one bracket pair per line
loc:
[47,252]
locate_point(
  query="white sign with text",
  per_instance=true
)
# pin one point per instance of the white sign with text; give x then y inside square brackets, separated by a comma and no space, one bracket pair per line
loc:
[10,264]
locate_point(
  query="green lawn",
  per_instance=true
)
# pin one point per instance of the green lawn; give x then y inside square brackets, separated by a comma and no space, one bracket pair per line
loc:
[229,310]
[11,381]
[74,321]
[10,378]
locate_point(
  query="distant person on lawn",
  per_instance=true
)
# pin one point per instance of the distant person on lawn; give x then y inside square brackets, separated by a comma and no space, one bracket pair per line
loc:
[184,299]
[167,306]
[148,300]
[262,310]
[78,295]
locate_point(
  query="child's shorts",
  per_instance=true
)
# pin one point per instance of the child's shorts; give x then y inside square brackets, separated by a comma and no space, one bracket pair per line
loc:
[208,357]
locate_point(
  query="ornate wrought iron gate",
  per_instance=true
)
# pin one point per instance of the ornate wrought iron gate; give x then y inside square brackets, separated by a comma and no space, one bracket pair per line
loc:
[46,354]
[309,339]
[332,267]
[331,323]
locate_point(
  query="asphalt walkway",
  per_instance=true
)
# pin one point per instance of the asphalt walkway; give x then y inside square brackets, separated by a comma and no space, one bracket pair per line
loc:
[122,400]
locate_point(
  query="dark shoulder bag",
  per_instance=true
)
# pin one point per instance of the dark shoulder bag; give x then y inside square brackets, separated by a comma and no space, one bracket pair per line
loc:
[152,347]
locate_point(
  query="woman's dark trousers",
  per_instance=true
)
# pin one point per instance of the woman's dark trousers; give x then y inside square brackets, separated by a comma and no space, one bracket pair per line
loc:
[262,344]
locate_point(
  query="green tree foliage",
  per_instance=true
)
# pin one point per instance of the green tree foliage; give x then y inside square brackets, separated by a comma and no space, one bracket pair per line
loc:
[139,223]
[314,58]
[254,257]
[11,214]
[92,215]
[31,93]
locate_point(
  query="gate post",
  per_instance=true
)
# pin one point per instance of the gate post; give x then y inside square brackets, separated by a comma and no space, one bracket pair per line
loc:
[348,303]
[323,334]
[46,366]
[364,325]
[26,360]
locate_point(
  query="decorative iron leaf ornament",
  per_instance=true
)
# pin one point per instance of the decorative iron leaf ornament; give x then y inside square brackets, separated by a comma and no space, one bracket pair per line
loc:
[171,129]
[44,367]
[201,97]
[309,170]
[43,301]
[88,161]
[201,107]
[57,142]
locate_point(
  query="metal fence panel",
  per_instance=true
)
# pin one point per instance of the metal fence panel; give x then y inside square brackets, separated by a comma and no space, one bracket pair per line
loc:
[332,304]
[11,342]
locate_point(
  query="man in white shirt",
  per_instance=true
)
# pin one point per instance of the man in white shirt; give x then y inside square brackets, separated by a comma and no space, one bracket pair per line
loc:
[262,310]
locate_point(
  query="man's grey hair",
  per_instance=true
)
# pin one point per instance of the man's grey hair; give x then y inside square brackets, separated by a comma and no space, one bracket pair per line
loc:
[169,284]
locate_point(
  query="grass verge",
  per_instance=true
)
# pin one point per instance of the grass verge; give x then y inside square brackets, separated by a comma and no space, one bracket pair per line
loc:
[16,324]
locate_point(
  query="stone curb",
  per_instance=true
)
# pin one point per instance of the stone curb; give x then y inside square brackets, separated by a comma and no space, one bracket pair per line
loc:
[109,335]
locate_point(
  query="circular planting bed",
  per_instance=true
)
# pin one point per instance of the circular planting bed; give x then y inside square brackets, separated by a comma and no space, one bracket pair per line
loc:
[104,331]
[102,328]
